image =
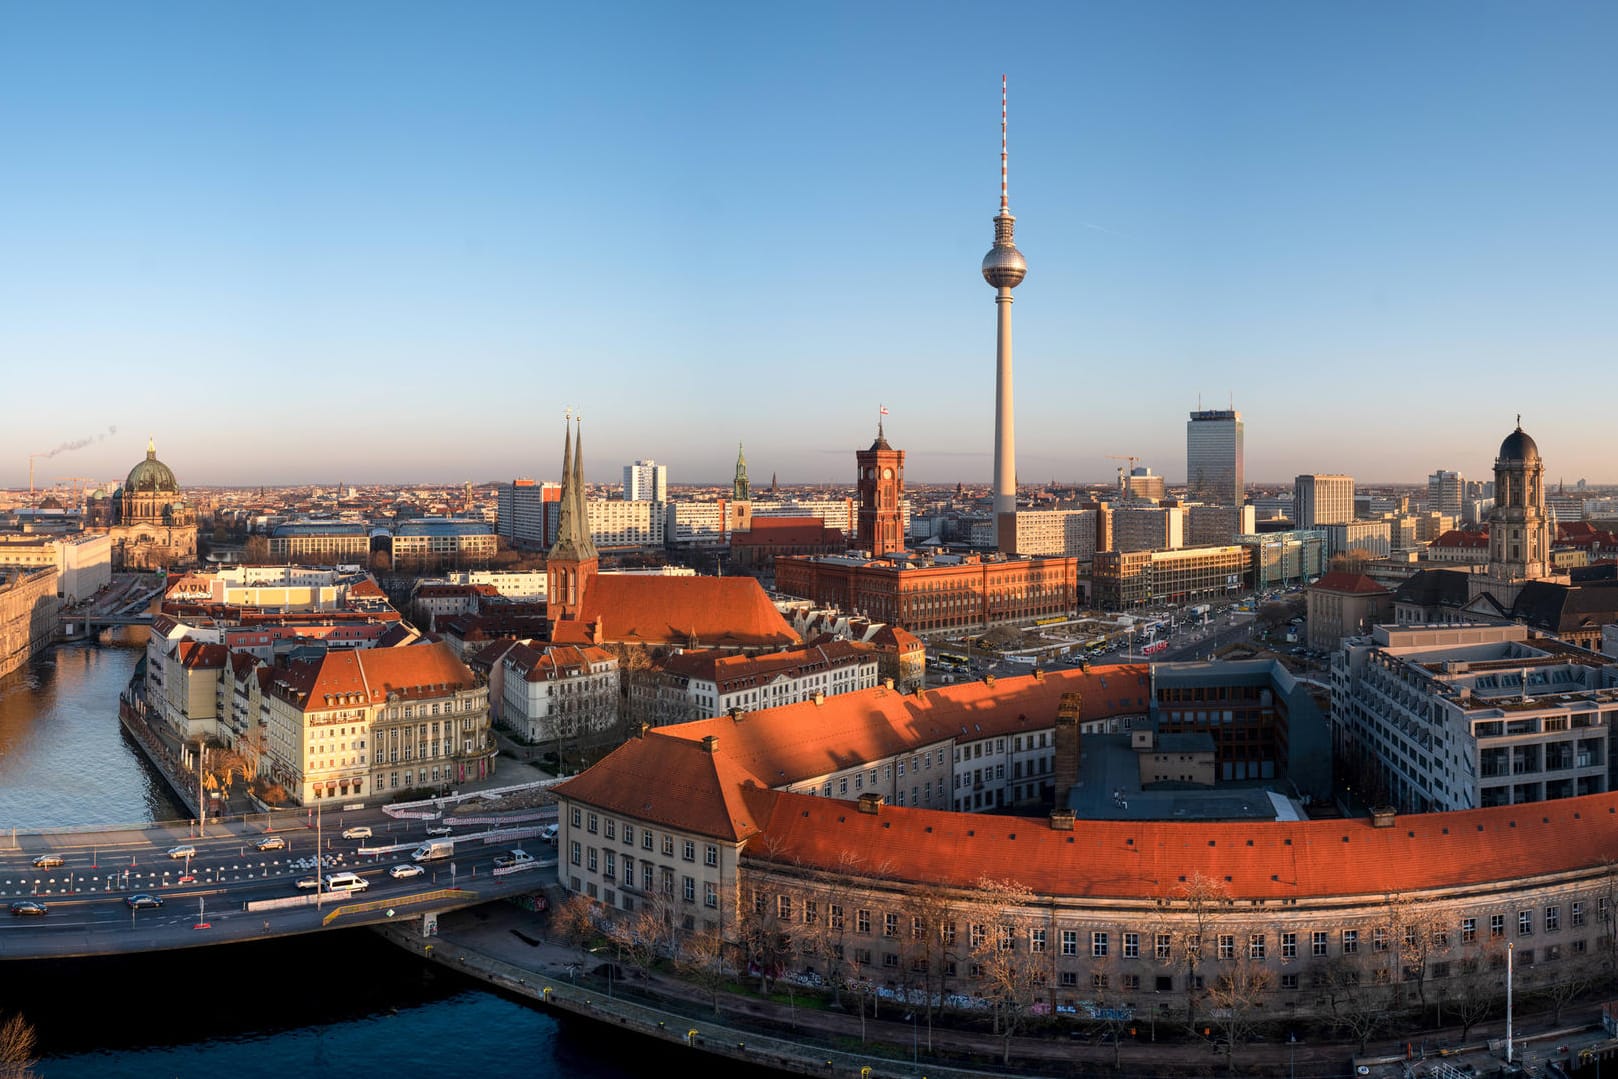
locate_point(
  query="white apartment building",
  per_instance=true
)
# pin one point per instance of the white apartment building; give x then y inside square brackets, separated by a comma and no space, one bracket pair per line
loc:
[614,523]
[527,512]
[696,524]
[1319,500]
[1069,533]
[558,693]
[646,481]
[83,560]
[839,513]
[1468,715]
[715,683]
[512,584]
[1373,537]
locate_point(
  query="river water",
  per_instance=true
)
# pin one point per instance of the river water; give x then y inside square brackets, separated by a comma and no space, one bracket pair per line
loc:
[338,1004]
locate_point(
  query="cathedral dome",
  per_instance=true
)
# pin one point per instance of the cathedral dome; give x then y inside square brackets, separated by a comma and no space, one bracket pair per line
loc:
[151,475]
[1519,447]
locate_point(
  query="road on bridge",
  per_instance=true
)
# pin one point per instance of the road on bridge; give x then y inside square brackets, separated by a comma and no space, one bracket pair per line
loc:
[88,881]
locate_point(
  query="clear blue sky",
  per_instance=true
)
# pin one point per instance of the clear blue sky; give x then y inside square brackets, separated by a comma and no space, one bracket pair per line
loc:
[311,242]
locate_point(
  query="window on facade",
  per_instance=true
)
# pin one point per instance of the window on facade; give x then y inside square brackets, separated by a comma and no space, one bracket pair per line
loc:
[1131,945]
[834,916]
[1497,925]
[688,889]
[1098,945]
[710,855]
[575,853]
[1255,946]
[576,813]
[611,829]
[862,921]
[1070,942]
[1525,923]
[1379,939]
[1227,946]
[890,925]
[1553,919]
[591,859]
[688,850]
[1317,943]
[710,894]
[1162,946]
[1036,941]
[1289,945]
[593,824]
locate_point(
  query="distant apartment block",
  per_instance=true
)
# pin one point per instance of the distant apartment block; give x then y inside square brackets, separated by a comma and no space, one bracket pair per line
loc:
[1129,580]
[437,541]
[1064,533]
[1446,493]
[28,608]
[1283,558]
[1147,528]
[327,543]
[1322,500]
[1372,537]
[614,523]
[83,560]
[646,481]
[527,513]
[1213,526]
[697,685]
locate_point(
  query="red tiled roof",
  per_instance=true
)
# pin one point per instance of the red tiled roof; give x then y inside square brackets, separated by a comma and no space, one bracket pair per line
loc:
[1135,860]
[1457,538]
[725,612]
[1348,582]
[787,532]
[429,670]
[669,781]
[796,742]
[546,664]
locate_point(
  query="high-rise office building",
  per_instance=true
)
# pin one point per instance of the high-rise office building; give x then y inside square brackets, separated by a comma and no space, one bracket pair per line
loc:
[1213,457]
[1446,493]
[646,481]
[1322,500]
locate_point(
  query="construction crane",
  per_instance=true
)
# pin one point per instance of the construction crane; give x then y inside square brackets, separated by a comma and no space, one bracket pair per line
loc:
[77,488]
[1123,483]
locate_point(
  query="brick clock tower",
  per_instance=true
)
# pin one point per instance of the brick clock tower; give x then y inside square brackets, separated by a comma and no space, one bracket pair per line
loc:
[882,485]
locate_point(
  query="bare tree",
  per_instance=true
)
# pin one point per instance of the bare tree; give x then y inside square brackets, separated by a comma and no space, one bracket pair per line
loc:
[824,933]
[929,945]
[1416,935]
[1479,987]
[1565,983]
[1240,987]
[767,937]
[638,937]
[702,962]
[17,1046]
[1011,963]
[1359,996]
[575,920]
[1192,914]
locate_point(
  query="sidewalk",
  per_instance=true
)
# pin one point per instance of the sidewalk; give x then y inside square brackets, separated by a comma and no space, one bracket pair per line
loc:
[510,949]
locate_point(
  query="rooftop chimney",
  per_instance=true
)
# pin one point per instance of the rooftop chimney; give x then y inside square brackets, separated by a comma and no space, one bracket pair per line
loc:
[870,803]
[710,744]
[1062,820]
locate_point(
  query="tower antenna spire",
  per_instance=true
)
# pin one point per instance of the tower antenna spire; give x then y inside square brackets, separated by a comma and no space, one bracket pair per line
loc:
[1005,201]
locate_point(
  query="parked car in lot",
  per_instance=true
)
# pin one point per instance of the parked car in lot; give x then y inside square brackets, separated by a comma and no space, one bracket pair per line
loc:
[136,902]
[24,907]
[46,861]
[405,869]
[271,842]
[184,850]
[361,832]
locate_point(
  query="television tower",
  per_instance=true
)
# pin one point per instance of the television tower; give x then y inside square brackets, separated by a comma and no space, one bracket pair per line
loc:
[1004,269]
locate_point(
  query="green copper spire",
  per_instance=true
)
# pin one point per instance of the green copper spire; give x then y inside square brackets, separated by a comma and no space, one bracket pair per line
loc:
[740,490]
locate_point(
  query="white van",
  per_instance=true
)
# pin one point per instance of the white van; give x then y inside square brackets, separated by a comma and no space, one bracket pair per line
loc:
[346,882]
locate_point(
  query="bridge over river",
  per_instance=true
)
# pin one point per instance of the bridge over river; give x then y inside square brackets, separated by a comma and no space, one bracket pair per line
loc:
[158,887]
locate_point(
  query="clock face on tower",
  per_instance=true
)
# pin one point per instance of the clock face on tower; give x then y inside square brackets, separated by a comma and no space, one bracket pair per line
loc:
[887,473]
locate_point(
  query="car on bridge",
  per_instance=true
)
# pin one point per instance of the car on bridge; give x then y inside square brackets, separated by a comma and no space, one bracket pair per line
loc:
[439,829]
[363,831]
[48,861]
[136,902]
[28,907]
[271,842]
[184,850]
[309,882]
[405,869]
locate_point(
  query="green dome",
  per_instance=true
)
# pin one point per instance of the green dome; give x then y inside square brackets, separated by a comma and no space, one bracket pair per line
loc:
[151,474]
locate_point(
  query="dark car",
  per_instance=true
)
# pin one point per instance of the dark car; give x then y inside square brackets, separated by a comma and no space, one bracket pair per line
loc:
[46,861]
[142,900]
[28,906]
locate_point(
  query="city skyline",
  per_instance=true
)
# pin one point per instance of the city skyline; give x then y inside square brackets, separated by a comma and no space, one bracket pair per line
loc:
[386,244]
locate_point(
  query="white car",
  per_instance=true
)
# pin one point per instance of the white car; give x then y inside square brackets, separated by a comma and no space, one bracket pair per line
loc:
[439,829]
[361,832]
[405,869]
[309,882]
[185,850]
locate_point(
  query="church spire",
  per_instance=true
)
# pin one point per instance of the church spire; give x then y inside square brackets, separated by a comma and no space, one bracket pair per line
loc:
[573,526]
[740,489]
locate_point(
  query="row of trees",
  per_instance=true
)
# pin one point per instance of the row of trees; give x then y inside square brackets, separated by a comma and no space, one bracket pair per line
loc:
[1221,964]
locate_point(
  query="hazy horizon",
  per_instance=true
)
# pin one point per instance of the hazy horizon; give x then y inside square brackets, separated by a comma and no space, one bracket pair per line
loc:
[398,240]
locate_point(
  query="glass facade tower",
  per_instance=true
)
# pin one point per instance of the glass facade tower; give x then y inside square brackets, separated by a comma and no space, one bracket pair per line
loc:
[1213,457]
